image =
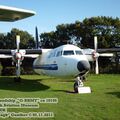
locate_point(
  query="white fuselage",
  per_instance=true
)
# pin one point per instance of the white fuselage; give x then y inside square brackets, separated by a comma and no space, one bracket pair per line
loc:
[61,61]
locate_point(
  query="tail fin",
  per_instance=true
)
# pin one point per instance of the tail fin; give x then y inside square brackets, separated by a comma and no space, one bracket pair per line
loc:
[36,38]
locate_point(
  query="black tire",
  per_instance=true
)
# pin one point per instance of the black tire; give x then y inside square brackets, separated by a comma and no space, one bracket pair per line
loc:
[76,87]
[17,79]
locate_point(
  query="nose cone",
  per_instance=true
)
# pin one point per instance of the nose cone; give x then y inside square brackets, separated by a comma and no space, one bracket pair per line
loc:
[83,66]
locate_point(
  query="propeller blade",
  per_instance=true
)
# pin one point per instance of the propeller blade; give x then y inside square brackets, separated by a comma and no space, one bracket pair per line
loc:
[18,42]
[96,55]
[106,54]
[18,68]
[96,66]
[95,43]
[37,38]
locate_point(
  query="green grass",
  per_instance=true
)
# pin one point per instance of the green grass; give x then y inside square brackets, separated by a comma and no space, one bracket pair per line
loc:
[102,104]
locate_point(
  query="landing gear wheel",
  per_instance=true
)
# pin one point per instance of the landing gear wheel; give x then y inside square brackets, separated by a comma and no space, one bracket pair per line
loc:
[76,87]
[17,79]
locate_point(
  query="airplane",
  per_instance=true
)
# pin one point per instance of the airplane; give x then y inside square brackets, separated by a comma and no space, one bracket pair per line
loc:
[65,60]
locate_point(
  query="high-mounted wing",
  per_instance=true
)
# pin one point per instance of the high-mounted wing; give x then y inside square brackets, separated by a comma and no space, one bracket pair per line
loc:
[108,50]
[30,53]
[11,14]
[5,56]
[5,51]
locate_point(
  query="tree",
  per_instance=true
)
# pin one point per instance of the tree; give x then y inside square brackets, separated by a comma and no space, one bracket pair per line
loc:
[8,41]
[82,33]
[106,28]
[47,40]
[2,41]
[26,40]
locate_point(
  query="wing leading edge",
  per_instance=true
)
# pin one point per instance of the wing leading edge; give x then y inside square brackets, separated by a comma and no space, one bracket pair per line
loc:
[30,53]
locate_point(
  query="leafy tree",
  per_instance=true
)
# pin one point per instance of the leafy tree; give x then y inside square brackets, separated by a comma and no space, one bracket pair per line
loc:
[48,40]
[106,28]
[8,41]
[82,33]
[2,41]
[26,40]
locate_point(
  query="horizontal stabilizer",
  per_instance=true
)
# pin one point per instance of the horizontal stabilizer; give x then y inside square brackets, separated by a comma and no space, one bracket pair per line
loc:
[11,14]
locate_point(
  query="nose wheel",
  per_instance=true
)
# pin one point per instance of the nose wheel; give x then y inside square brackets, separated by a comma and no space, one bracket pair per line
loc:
[78,83]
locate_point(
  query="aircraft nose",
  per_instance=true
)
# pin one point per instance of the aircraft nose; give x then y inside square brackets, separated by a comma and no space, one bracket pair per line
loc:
[83,66]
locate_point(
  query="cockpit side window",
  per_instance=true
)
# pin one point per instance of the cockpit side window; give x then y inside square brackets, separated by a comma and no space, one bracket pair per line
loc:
[52,54]
[59,53]
[68,52]
[78,52]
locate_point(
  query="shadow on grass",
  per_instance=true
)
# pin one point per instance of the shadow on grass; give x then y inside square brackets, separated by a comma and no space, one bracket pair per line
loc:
[117,94]
[26,85]
[65,91]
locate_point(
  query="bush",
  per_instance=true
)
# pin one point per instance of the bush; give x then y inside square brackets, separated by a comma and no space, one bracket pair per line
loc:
[7,71]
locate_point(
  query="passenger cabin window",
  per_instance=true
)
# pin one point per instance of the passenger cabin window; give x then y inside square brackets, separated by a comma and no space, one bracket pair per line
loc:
[68,52]
[78,52]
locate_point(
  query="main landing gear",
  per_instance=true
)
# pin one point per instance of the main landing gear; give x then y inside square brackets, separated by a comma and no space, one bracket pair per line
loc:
[17,79]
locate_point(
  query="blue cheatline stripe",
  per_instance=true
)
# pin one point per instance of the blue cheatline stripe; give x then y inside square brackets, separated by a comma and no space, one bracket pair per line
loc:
[46,67]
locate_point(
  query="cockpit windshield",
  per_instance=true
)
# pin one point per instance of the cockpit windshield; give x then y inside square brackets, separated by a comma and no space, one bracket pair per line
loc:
[68,52]
[78,52]
[72,52]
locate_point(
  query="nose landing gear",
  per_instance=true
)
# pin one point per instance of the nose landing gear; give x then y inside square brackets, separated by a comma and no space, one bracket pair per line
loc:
[78,83]
[79,86]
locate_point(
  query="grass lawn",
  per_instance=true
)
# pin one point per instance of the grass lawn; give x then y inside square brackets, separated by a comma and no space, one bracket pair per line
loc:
[102,104]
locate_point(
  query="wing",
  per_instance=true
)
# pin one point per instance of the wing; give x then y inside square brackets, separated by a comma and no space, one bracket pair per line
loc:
[5,53]
[29,53]
[108,50]
[12,14]
[5,56]
[32,53]
[91,54]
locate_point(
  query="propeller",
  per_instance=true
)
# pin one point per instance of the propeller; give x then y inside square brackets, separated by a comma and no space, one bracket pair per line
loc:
[96,55]
[18,57]
[20,54]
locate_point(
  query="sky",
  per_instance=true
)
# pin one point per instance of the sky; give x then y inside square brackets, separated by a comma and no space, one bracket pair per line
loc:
[51,13]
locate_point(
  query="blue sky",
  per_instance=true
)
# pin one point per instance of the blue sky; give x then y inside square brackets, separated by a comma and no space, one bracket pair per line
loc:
[50,13]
